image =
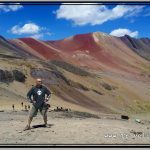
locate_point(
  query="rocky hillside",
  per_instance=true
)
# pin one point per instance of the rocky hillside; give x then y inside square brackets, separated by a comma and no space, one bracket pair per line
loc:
[140,46]
[92,72]
[97,51]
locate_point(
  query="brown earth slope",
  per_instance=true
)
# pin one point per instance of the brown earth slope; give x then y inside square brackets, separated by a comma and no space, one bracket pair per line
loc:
[91,72]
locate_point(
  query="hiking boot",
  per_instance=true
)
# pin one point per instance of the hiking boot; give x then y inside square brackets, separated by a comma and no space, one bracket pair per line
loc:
[26,128]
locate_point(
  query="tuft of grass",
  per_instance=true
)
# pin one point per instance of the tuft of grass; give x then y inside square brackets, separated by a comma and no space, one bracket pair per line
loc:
[78,85]
[98,92]
[107,86]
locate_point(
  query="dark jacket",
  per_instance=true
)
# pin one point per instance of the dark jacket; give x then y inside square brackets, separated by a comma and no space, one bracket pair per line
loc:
[38,94]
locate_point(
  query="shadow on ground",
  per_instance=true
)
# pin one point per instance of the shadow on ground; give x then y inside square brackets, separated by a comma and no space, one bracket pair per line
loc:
[42,126]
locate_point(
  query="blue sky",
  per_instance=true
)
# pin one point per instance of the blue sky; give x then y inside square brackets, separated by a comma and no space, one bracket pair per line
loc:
[54,22]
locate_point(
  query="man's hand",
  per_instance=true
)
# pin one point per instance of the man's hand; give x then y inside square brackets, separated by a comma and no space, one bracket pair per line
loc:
[46,100]
[33,101]
[46,103]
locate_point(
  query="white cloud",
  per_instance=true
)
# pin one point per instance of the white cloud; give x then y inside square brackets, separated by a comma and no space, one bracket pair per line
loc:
[40,35]
[8,8]
[95,14]
[37,36]
[121,32]
[29,28]
[127,10]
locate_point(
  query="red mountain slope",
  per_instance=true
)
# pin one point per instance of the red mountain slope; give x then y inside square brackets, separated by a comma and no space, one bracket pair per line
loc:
[93,50]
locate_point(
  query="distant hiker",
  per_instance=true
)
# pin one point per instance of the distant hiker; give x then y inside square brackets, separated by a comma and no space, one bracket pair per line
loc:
[25,107]
[13,107]
[28,107]
[38,95]
[22,105]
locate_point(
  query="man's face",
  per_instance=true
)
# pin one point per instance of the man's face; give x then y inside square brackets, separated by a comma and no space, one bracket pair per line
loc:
[38,83]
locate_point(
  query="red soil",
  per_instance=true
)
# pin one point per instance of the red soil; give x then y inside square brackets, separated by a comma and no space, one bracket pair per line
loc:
[43,50]
[92,50]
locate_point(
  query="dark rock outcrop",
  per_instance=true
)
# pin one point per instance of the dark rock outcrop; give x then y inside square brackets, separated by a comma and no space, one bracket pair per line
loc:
[9,76]
[55,77]
[49,77]
[19,76]
[6,76]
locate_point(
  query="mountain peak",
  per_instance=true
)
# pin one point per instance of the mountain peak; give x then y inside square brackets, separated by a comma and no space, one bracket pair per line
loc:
[98,33]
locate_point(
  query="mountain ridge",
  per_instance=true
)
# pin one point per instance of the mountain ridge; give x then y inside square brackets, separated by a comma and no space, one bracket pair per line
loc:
[88,72]
[96,50]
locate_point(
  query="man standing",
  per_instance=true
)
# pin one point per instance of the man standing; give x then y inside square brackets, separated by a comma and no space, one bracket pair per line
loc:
[22,105]
[38,95]
[13,107]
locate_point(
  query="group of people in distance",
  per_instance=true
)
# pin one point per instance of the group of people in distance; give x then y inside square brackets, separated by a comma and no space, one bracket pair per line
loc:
[24,107]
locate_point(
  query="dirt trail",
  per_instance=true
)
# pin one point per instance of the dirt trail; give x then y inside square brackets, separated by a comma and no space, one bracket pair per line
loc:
[69,128]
